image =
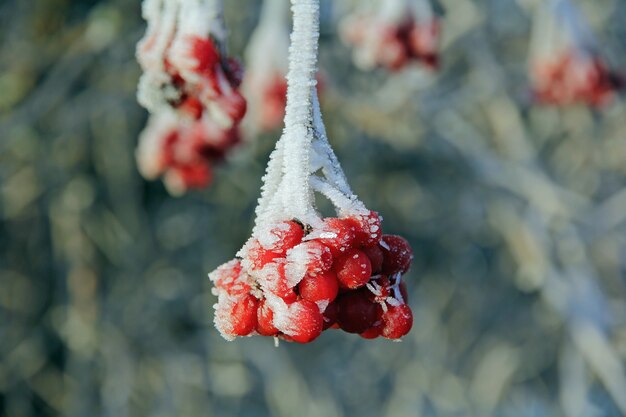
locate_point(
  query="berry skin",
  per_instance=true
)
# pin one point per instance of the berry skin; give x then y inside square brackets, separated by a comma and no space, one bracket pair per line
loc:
[356,313]
[367,229]
[330,316]
[398,254]
[337,234]
[397,321]
[259,256]
[353,269]
[307,322]
[265,320]
[376,256]
[371,333]
[283,237]
[321,287]
[273,278]
[227,278]
[206,54]
[244,315]
[319,258]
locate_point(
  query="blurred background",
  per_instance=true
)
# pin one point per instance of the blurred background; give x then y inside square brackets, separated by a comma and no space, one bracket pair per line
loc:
[516,214]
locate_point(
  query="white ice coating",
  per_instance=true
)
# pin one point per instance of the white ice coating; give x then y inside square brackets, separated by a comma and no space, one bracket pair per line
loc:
[303,149]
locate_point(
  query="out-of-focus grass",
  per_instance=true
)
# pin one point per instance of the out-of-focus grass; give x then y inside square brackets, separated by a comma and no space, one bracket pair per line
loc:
[516,214]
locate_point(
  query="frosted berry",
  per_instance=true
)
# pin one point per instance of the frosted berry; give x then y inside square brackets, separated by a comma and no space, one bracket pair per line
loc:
[273,279]
[398,254]
[244,315]
[368,230]
[265,320]
[355,312]
[353,269]
[337,234]
[371,333]
[315,255]
[397,321]
[258,256]
[320,287]
[306,321]
[227,278]
[282,237]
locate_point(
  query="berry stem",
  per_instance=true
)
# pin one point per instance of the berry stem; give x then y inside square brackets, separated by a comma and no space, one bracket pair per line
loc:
[299,110]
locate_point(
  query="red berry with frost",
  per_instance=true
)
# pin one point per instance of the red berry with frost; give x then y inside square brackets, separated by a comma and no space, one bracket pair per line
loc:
[243,315]
[397,321]
[320,287]
[205,53]
[368,230]
[273,278]
[355,312]
[398,254]
[353,269]
[375,255]
[306,321]
[258,256]
[282,237]
[317,257]
[265,320]
[337,234]
[227,277]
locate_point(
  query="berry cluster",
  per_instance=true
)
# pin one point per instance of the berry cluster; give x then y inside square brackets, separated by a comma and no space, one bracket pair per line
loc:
[183,153]
[192,90]
[572,77]
[393,45]
[293,282]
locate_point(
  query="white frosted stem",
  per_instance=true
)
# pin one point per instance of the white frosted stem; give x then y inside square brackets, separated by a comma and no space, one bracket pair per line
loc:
[331,167]
[298,203]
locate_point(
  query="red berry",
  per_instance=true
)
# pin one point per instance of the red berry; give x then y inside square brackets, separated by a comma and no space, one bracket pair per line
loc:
[265,320]
[337,234]
[353,269]
[306,321]
[259,256]
[244,315]
[376,256]
[317,257]
[320,287]
[282,236]
[205,53]
[397,321]
[330,315]
[368,230]
[398,254]
[356,313]
[371,333]
[228,278]
[273,278]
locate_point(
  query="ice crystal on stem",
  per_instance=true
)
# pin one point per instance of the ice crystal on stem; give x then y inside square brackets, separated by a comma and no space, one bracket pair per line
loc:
[299,273]
[191,88]
[392,34]
[565,65]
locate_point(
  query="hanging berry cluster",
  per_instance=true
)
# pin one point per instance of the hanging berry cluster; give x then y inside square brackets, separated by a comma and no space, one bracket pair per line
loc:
[393,34]
[299,273]
[565,65]
[190,87]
